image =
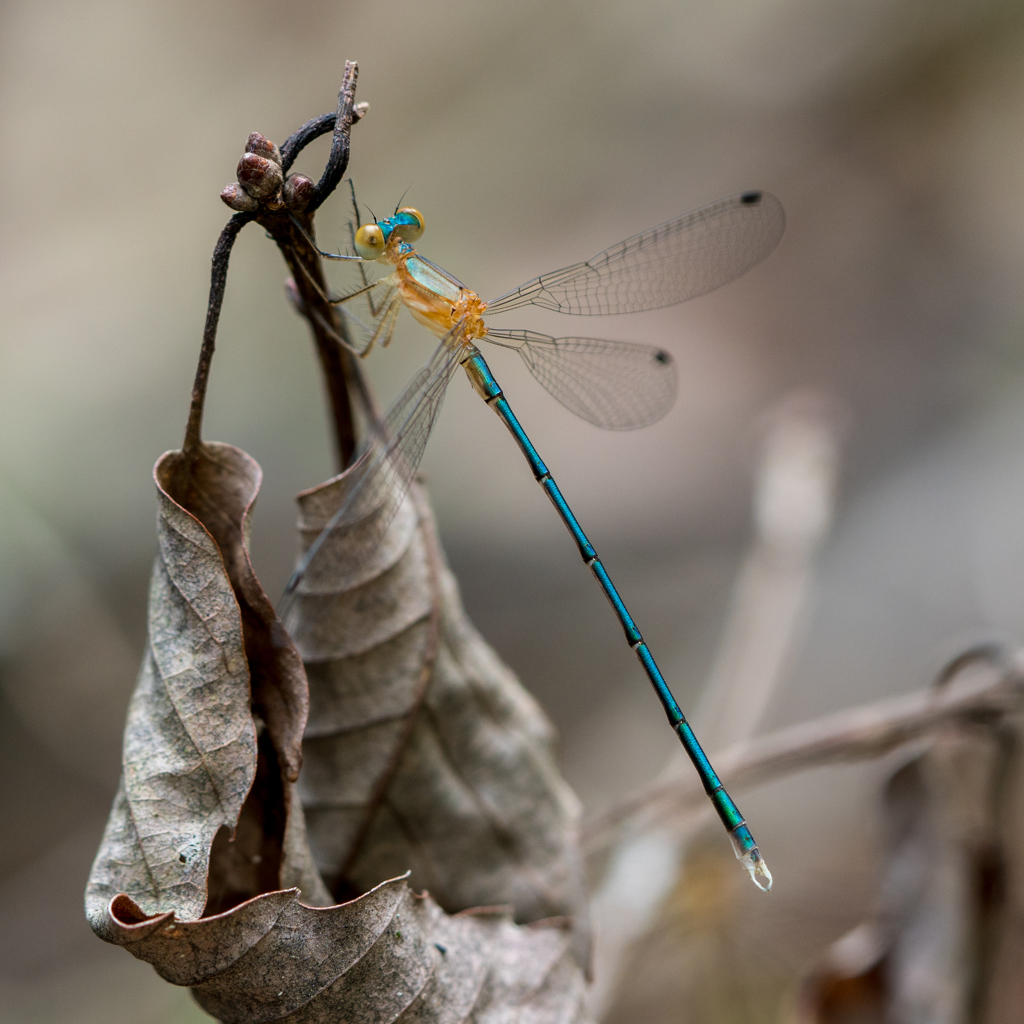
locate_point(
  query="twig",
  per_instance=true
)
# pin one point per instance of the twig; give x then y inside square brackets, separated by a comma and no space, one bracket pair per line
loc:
[316,127]
[337,162]
[340,371]
[218,281]
[857,734]
[293,232]
[299,140]
[794,502]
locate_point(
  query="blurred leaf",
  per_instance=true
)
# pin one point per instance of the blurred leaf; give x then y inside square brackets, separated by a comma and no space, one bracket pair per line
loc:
[212,744]
[423,751]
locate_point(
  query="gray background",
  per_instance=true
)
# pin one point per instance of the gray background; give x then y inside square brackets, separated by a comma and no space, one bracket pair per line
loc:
[530,135]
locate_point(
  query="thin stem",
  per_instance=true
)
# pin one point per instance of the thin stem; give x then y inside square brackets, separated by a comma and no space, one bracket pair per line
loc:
[294,233]
[218,282]
[299,140]
[340,370]
[337,162]
[313,129]
[336,362]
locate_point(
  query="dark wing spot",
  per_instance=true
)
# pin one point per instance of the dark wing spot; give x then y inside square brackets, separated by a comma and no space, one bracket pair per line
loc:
[661,356]
[751,198]
[181,857]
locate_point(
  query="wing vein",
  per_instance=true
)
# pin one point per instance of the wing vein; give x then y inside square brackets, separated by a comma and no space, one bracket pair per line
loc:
[679,260]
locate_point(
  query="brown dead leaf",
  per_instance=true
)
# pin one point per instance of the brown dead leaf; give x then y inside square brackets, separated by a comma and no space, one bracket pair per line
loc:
[220,681]
[423,753]
[387,956]
[212,744]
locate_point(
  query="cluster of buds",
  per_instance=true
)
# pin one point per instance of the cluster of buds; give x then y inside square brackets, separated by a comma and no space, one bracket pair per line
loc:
[261,180]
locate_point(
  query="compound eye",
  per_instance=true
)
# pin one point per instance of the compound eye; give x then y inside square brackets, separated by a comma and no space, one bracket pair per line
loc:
[409,224]
[370,242]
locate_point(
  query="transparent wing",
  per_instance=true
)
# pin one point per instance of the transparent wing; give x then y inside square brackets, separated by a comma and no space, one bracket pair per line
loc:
[679,260]
[613,384]
[379,479]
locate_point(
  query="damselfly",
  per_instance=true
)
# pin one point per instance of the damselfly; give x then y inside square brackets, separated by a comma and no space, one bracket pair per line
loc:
[612,384]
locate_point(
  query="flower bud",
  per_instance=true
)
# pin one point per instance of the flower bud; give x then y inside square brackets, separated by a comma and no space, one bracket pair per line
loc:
[262,146]
[238,199]
[259,176]
[298,191]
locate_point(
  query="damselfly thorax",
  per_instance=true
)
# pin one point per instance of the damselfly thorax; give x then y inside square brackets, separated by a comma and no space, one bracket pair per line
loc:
[435,298]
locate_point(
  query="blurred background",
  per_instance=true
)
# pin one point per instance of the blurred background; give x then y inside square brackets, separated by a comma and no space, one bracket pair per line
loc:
[531,135]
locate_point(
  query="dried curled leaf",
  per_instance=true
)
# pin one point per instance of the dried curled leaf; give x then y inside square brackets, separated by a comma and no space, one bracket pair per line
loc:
[423,753]
[212,744]
[387,956]
[217,655]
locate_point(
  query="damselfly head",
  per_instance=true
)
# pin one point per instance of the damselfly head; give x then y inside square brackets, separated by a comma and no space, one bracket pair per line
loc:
[370,242]
[408,223]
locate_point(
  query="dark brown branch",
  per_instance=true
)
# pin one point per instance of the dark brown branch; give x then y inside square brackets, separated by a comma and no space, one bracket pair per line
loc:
[337,162]
[294,233]
[218,281]
[299,140]
[292,230]
[336,362]
[313,129]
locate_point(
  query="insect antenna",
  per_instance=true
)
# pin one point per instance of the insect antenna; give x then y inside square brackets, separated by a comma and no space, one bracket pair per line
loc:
[398,205]
[355,205]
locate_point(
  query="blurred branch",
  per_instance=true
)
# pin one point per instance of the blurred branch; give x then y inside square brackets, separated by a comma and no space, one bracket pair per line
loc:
[976,686]
[940,931]
[794,499]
